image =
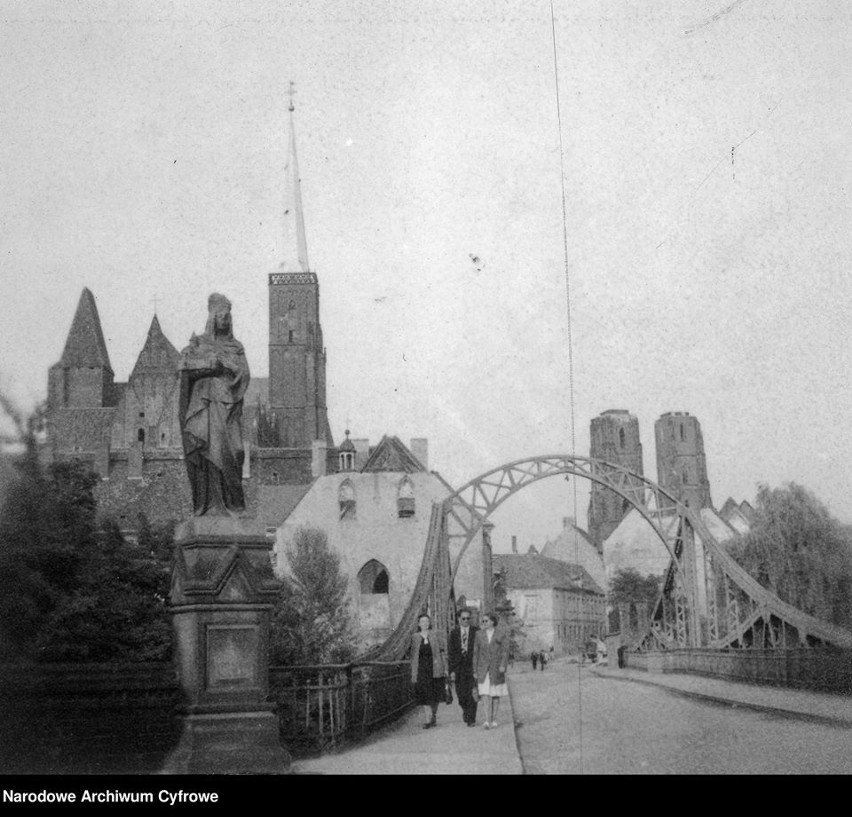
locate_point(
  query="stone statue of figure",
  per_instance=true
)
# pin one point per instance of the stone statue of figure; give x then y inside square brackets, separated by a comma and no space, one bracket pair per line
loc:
[214,379]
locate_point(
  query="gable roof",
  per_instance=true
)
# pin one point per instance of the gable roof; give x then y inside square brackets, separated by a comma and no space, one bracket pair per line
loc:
[529,571]
[392,455]
[85,346]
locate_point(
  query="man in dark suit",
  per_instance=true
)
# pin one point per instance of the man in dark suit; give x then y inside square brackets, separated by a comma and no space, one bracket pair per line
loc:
[460,660]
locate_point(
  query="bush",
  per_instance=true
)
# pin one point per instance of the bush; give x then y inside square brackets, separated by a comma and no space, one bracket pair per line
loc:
[311,623]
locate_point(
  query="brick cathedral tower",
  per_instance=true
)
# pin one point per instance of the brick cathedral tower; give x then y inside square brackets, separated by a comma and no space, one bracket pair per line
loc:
[297,359]
[681,464]
[615,439]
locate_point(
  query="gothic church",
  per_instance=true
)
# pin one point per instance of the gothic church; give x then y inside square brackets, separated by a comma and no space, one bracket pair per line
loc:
[129,433]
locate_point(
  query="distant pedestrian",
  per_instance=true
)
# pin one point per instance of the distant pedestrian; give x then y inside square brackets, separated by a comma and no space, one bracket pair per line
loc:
[534,658]
[490,662]
[542,660]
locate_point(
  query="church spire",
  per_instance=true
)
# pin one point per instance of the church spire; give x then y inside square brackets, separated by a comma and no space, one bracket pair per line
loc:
[294,246]
[85,346]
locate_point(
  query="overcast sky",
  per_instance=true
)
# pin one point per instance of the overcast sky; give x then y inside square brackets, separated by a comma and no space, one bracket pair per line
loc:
[707,169]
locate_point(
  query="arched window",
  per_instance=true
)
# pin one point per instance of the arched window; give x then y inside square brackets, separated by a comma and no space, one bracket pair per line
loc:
[621,437]
[140,435]
[405,498]
[346,498]
[685,477]
[373,578]
[681,433]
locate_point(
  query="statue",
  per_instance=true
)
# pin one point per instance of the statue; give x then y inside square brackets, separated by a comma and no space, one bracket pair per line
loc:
[214,379]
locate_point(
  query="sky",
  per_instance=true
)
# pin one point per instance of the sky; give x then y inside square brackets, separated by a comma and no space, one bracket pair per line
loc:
[697,262]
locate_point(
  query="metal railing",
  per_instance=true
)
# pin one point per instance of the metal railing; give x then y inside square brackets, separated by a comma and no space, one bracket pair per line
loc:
[322,707]
[827,670]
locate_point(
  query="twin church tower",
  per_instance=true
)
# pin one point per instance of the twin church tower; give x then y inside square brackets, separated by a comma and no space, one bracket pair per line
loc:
[129,433]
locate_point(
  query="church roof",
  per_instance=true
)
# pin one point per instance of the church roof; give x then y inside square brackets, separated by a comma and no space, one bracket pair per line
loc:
[85,346]
[529,571]
[392,455]
[157,354]
[276,502]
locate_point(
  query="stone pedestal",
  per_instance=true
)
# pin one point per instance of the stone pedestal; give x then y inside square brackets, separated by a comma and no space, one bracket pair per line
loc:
[223,589]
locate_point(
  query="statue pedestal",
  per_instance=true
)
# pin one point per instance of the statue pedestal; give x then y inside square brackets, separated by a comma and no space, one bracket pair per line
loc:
[222,593]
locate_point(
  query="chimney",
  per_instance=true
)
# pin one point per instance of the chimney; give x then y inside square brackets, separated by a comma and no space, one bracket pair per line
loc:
[319,449]
[362,452]
[420,449]
[514,544]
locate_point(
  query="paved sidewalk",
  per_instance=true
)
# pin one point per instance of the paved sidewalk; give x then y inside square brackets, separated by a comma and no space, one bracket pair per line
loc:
[405,747]
[831,708]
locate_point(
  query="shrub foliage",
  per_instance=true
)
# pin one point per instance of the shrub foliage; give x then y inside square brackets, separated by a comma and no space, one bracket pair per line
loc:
[311,622]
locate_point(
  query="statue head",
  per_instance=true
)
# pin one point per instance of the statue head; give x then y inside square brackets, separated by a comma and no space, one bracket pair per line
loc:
[219,315]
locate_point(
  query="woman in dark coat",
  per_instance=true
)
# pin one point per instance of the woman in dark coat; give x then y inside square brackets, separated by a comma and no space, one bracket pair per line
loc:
[428,669]
[490,661]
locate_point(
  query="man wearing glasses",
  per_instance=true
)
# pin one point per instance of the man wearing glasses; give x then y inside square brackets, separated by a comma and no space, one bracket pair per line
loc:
[460,652]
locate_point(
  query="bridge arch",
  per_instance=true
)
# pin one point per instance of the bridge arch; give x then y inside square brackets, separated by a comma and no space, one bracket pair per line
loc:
[707,599]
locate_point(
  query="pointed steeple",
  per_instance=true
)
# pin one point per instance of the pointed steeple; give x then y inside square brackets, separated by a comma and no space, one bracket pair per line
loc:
[294,246]
[157,354]
[85,346]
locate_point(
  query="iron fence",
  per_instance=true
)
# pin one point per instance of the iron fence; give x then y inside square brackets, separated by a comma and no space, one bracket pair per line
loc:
[322,707]
[828,670]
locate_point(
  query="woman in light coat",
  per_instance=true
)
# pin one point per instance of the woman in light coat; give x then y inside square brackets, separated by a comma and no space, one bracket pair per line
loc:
[490,662]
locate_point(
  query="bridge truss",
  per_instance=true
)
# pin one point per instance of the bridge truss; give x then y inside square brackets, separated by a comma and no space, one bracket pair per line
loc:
[707,599]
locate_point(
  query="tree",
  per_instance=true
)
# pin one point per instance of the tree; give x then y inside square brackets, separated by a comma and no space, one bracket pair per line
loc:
[71,587]
[800,552]
[311,623]
[629,587]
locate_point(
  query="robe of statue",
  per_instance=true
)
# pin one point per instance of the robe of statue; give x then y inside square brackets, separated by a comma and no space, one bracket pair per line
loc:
[214,379]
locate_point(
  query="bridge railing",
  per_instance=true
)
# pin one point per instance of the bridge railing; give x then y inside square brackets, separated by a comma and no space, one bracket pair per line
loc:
[826,670]
[322,707]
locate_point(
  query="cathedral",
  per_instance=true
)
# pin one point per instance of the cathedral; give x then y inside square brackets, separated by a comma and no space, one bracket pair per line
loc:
[129,432]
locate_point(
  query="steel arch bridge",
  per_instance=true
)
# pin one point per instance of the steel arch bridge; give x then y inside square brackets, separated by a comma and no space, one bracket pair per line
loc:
[707,600]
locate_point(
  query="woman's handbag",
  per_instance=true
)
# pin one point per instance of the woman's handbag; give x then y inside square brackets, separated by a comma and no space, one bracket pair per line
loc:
[475,691]
[448,687]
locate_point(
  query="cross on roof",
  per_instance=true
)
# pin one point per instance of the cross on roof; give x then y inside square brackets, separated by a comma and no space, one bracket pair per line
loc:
[292,94]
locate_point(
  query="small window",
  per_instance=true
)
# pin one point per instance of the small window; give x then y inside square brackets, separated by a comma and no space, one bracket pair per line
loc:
[681,433]
[140,435]
[405,499]
[346,500]
[291,335]
[621,437]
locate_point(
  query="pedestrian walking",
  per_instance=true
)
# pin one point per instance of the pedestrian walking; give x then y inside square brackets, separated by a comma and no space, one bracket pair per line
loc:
[534,658]
[490,662]
[460,659]
[428,670]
